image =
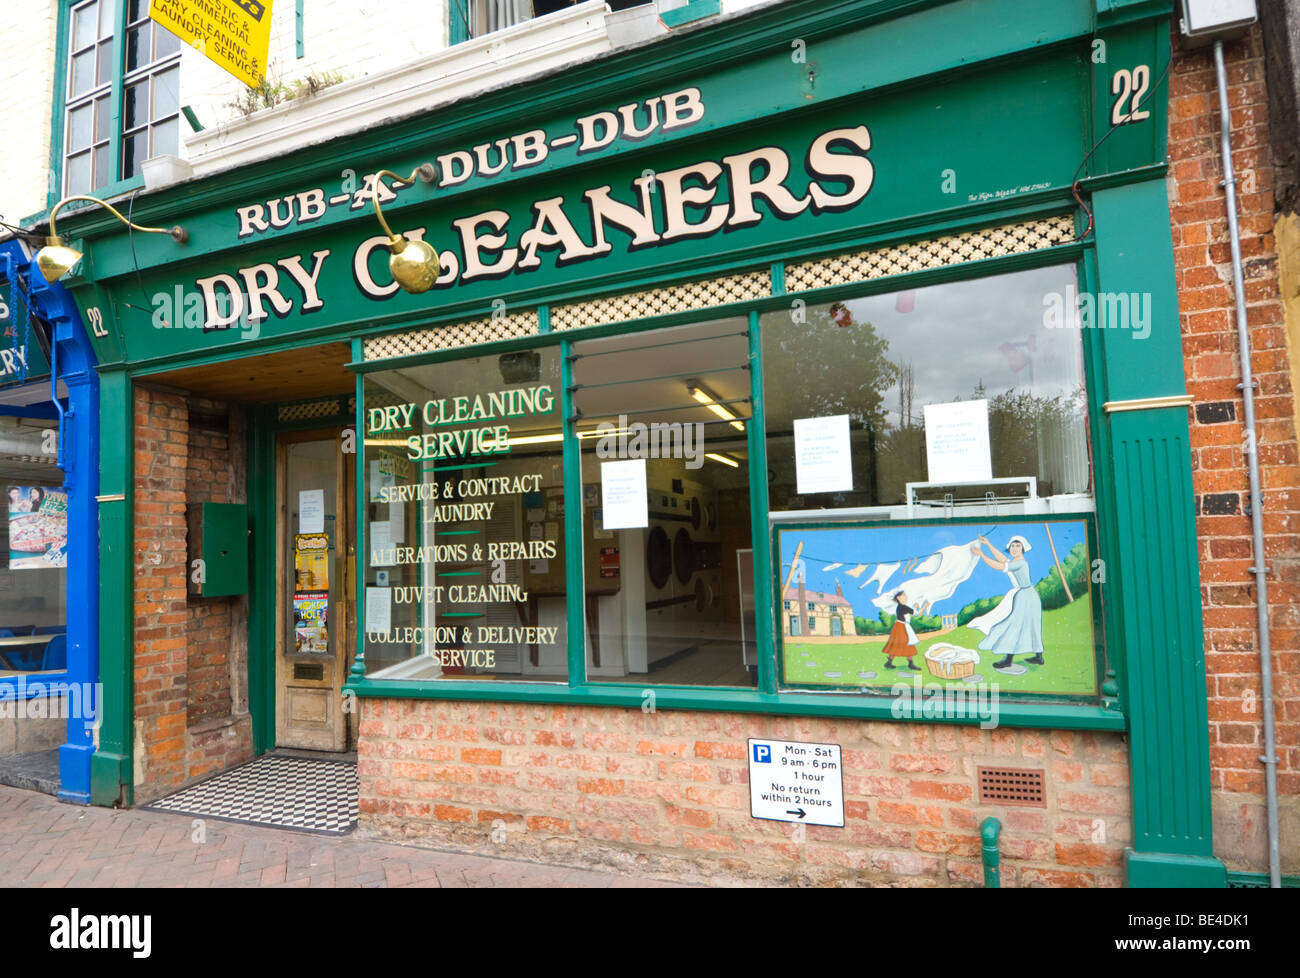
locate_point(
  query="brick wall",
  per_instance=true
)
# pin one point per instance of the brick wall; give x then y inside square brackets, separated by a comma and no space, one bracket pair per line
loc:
[207,477]
[1201,252]
[666,794]
[185,686]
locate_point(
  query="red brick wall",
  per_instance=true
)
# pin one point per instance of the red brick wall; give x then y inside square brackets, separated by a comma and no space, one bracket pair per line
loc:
[207,478]
[182,678]
[666,794]
[1201,253]
[161,615]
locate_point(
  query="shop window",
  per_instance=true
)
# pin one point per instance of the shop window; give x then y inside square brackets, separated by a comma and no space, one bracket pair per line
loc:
[900,542]
[99,150]
[930,483]
[465,562]
[666,413]
[882,364]
[33,556]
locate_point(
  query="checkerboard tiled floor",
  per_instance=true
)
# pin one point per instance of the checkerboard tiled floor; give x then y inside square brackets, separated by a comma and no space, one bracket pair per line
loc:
[286,792]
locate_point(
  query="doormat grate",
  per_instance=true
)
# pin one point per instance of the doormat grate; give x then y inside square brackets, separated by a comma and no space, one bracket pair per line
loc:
[286,792]
[1012,786]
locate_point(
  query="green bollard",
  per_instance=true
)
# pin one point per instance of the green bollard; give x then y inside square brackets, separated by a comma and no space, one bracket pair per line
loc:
[990,828]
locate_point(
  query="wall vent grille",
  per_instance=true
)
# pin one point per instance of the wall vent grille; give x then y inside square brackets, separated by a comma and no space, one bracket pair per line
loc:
[1012,786]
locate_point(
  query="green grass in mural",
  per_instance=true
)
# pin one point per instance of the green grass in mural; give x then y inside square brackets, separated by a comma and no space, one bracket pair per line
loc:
[1067,644]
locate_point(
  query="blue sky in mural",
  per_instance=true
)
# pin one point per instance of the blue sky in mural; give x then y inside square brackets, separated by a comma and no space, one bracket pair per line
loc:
[851,547]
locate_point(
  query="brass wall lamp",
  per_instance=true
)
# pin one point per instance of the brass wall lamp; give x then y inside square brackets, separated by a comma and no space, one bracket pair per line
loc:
[414,264]
[56,258]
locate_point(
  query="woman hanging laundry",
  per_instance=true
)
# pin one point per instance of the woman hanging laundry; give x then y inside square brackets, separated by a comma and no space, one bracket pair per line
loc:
[1015,626]
[902,640]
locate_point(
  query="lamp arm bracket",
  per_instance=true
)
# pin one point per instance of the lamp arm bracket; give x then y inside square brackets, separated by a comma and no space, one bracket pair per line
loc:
[179,234]
[424,172]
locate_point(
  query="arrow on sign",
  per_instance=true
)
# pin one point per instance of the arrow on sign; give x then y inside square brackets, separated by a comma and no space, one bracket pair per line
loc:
[800,812]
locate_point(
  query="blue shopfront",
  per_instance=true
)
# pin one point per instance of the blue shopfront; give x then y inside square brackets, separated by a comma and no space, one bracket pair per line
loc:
[49,582]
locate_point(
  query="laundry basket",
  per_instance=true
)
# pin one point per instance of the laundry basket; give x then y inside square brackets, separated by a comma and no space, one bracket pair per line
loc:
[950,661]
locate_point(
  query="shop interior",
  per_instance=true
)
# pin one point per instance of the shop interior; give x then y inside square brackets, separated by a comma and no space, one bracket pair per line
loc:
[33,575]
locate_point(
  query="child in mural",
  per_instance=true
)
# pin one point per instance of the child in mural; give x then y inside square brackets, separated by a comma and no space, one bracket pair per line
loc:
[902,640]
[1015,626]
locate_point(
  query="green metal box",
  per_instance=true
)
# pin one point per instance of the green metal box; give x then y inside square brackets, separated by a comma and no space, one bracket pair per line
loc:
[218,538]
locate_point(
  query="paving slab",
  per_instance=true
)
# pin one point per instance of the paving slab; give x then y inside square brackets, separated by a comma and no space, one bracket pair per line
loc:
[47,843]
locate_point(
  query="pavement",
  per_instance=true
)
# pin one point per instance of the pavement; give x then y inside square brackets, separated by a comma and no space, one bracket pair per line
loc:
[46,843]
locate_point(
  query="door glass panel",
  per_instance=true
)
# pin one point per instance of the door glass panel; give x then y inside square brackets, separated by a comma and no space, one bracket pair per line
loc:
[311,585]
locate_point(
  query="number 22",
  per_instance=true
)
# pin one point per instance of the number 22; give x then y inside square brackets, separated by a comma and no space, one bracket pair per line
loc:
[1128,84]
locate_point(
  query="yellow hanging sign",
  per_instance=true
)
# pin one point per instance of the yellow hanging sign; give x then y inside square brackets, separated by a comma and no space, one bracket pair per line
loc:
[234,34]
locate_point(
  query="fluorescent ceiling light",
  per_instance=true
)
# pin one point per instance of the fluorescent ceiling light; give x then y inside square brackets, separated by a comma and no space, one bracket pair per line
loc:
[706,398]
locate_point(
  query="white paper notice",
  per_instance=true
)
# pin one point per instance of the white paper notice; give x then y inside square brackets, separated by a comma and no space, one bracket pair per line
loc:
[623,489]
[957,442]
[380,541]
[823,461]
[381,479]
[379,609]
[396,521]
[311,511]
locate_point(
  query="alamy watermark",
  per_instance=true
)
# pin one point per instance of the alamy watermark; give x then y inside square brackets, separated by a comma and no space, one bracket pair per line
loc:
[1101,310]
[932,701]
[659,439]
[50,700]
[209,311]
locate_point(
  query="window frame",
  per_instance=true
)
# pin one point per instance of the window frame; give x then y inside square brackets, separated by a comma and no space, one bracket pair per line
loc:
[57,172]
[1100,713]
[690,11]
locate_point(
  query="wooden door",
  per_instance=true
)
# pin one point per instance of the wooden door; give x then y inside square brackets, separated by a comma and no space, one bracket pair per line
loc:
[315,589]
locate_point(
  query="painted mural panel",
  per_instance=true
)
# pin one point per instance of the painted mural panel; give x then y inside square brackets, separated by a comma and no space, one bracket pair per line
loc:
[956,603]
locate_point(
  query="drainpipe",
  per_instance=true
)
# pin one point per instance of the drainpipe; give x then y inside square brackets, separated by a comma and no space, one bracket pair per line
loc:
[990,828]
[1247,388]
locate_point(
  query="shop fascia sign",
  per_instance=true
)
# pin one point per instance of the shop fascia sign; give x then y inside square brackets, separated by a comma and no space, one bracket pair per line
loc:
[18,361]
[708,197]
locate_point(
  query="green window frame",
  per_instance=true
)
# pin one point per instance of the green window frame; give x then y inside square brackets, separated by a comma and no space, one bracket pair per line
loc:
[768,696]
[690,11]
[460,12]
[107,132]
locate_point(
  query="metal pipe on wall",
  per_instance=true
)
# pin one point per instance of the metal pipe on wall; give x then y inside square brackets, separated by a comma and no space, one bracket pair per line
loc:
[1248,384]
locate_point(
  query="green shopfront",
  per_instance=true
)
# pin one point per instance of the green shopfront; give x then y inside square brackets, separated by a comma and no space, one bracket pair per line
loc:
[813,375]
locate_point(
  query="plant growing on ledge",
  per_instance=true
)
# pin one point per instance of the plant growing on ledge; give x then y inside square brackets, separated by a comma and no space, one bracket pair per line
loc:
[267,94]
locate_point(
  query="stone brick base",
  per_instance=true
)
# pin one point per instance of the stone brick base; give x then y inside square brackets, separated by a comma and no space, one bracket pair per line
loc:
[666,795]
